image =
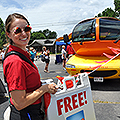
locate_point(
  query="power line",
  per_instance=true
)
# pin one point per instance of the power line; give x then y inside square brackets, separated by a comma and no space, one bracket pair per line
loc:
[56,23]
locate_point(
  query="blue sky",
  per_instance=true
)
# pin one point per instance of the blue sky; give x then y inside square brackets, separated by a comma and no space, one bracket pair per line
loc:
[56,15]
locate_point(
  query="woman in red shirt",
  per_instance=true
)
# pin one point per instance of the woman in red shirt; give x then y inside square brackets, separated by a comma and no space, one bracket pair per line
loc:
[23,80]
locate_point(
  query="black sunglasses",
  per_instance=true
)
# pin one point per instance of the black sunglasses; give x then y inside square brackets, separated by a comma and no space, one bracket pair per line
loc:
[18,30]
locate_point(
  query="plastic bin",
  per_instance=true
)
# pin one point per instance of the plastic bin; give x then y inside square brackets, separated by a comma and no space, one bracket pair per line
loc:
[58,59]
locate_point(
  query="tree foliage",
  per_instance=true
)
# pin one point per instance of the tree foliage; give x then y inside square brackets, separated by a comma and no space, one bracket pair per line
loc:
[108,12]
[2,33]
[117,6]
[36,36]
[45,34]
[49,35]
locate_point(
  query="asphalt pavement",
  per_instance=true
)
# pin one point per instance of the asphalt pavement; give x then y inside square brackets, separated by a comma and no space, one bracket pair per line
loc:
[106,98]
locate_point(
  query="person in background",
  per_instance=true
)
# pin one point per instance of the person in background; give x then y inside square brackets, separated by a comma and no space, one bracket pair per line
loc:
[23,80]
[3,53]
[70,51]
[46,54]
[32,54]
[63,56]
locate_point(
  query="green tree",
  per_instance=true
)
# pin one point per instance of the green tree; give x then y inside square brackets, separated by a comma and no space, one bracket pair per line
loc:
[46,33]
[99,15]
[36,36]
[117,6]
[109,13]
[49,35]
[2,34]
[52,35]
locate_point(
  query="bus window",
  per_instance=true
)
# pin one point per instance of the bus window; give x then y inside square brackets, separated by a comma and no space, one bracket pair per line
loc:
[84,31]
[109,29]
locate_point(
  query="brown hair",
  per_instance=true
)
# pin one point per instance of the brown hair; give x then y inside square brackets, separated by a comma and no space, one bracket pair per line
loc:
[10,19]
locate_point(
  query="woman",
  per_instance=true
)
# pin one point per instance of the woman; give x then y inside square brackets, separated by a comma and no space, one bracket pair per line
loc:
[63,57]
[23,80]
[46,54]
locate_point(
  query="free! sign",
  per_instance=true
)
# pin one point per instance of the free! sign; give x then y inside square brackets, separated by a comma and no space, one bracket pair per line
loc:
[70,103]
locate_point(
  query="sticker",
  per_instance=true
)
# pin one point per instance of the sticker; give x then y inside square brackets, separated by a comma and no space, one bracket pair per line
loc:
[77,116]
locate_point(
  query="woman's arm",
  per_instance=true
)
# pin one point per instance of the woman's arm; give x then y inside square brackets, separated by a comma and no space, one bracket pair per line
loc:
[21,99]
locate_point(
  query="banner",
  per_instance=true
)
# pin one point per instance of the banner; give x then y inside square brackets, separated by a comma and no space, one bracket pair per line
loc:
[72,102]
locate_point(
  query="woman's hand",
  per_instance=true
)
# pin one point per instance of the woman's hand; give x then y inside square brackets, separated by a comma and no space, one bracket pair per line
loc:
[50,88]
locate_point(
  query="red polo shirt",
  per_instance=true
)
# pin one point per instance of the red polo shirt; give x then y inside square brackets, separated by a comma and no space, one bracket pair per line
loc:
[19,74]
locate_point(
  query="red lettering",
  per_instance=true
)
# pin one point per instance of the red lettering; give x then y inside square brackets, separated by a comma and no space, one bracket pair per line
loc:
[59,106]
[85,97]
[74,101]
[67,105]
[80,99]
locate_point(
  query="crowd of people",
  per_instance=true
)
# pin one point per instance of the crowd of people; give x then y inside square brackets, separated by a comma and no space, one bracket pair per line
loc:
[66,52]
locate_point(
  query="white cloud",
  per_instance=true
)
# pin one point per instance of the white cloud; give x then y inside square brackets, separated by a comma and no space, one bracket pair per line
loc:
[60,16]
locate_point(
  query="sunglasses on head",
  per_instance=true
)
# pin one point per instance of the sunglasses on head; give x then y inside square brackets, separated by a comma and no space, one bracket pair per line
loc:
[18,30]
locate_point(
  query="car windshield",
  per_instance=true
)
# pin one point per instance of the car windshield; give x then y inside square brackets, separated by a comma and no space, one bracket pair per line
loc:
[109,29]
[84,31]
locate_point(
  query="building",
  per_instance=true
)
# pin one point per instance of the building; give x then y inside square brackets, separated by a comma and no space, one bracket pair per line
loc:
[48,43]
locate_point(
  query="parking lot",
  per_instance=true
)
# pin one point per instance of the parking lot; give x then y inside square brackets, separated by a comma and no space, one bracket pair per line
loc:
[106,95]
